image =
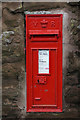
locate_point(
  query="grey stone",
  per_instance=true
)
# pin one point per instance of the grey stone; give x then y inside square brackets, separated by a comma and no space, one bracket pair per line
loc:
[78,27]
[72,95]
[8,41]
[12,6]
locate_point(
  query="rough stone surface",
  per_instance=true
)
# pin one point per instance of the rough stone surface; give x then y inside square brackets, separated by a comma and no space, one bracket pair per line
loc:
[13,58]
[11,6]
[42,6]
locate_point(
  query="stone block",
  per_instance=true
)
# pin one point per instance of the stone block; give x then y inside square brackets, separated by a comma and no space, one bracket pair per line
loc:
[72,79]
[12,6]
[72,94]
[11,21]
[32,6]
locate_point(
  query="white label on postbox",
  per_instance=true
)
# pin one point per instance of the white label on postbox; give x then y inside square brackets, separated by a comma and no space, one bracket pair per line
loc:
[43,61]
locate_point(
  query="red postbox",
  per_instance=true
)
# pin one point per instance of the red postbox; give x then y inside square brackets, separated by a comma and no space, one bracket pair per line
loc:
[44,62]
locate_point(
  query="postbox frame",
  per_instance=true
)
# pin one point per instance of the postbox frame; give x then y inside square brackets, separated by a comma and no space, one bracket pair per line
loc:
[29,97]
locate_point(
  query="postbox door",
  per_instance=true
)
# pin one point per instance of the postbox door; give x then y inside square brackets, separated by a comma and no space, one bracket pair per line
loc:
[44,72]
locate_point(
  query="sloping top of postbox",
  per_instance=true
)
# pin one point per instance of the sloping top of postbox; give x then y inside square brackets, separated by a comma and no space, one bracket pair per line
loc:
[43,32]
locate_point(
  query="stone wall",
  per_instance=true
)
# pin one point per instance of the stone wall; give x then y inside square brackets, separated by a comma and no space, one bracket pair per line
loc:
[13,58]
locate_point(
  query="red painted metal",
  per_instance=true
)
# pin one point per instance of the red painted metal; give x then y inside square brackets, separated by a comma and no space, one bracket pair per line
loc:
[44,89]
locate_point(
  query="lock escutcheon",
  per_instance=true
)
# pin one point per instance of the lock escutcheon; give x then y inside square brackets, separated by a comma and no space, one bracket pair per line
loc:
[41,80]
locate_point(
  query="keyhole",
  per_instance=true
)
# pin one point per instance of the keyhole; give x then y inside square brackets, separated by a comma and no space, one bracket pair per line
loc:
[38,81]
